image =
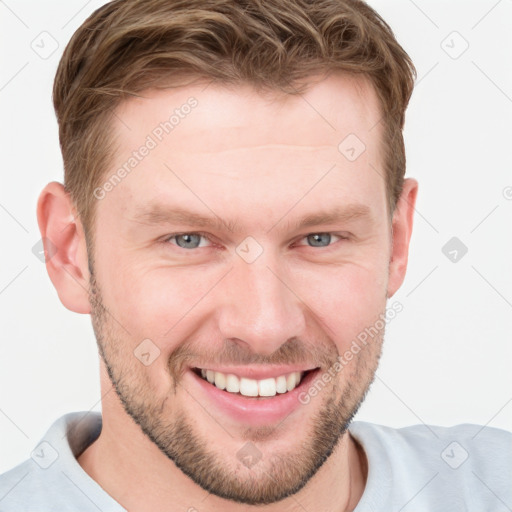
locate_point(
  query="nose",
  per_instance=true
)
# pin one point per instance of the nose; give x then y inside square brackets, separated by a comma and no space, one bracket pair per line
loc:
[259,307]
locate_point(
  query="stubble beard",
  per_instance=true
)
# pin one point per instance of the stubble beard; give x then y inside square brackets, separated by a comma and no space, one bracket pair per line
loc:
[276,476]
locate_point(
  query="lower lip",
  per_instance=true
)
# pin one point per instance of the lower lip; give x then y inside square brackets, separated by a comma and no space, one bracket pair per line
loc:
[254,410]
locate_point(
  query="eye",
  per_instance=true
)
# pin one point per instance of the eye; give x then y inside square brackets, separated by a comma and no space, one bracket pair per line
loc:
[321,239]
[197,240]
[188,240]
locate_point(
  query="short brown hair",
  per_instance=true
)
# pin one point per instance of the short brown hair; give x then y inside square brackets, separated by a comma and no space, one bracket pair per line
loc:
[127,46]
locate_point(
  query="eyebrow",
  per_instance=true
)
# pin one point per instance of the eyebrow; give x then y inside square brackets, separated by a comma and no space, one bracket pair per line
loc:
[159,214]
[339,214]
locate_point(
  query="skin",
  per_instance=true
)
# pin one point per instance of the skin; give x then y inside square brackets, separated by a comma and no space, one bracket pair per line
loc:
[263,161]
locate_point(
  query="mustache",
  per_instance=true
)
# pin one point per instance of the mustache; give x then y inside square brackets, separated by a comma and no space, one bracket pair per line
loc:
[321,354]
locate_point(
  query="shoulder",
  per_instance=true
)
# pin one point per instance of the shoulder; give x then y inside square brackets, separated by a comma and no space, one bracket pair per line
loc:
[451,468]
[480,440]
[51,478]
[30,487]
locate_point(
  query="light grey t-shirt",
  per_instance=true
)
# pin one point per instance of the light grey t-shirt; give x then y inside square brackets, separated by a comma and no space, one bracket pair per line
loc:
[419,468]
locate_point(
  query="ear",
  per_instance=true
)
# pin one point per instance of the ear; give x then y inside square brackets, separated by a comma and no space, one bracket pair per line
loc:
[64,247]
[401,235]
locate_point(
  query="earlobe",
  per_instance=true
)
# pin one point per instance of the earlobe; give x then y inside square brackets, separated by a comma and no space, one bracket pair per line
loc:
[65,247]
[401,235]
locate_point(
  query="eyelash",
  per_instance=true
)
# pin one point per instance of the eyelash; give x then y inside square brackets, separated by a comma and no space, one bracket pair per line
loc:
[207,237]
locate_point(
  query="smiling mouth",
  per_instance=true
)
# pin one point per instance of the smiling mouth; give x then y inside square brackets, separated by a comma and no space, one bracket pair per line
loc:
[247,387]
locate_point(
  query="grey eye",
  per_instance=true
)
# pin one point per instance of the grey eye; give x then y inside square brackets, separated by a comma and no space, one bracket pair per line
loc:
[188,241]
[319,239]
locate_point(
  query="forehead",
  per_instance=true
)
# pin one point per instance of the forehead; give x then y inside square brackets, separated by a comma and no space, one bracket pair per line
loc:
[234,148]
[332,106]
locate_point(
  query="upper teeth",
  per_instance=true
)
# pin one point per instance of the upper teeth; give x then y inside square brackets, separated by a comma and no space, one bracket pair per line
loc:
[253,387]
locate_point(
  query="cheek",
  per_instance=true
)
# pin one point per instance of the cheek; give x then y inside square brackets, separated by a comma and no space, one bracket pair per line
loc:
[150,303]
[161,305]
[348,299]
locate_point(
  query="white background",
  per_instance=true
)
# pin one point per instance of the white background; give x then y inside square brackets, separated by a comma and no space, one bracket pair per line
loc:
[447,356]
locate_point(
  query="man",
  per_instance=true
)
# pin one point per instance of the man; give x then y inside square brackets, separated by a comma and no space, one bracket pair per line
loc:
[234,218]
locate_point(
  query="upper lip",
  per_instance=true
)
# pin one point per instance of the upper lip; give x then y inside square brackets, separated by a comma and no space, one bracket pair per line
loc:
[259,372]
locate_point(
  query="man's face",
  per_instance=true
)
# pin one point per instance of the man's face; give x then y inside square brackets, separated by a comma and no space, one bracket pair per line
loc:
[256,293]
